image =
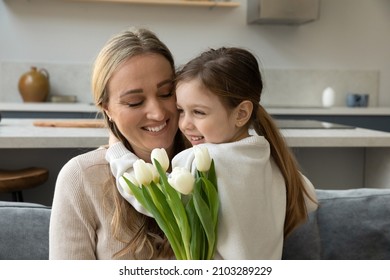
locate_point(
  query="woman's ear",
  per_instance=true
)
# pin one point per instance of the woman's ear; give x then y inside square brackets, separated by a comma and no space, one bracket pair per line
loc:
[244,112]
[107,113]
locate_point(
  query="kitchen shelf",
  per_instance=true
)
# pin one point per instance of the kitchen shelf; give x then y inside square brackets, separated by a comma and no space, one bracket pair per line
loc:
[199,3]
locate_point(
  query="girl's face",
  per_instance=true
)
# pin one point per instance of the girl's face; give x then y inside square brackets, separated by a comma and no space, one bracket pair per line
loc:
[203,117]
[142,103]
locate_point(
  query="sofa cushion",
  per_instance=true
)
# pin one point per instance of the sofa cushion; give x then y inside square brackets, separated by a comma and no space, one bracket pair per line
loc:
[352,225]
[304,243]
[24,231]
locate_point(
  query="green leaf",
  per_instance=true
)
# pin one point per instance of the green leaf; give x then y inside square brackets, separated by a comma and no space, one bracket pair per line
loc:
[214,204]
[197,236]
[206,220]
[163,224]
[169,228]
[137,192]
[166,210]
[213,199]
[212,175]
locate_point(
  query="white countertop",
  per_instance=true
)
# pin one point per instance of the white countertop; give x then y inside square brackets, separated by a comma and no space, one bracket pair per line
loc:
[356,137]
[21,133]
[274,110]
[340,111]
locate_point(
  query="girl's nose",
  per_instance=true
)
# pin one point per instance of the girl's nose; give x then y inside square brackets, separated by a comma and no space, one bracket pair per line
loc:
[185,122]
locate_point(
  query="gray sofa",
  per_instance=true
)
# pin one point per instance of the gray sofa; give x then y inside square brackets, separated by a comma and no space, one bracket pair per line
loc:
[350,224]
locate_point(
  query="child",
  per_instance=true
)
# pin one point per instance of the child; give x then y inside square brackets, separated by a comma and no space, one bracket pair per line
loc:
[263,195]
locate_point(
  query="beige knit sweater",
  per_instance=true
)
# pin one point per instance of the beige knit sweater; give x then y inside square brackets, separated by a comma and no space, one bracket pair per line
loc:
[80,226]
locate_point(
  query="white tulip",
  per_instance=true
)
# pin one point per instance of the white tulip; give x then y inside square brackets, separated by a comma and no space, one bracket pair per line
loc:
[142,172]
[202,158]
[124,184]
[182,180]
[161,156]
[156,176]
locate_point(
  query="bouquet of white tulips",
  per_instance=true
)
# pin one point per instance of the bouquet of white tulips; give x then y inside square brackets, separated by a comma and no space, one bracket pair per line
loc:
[184,206]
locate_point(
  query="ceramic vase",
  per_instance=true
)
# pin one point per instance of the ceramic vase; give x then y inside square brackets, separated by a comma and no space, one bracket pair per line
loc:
[34,85]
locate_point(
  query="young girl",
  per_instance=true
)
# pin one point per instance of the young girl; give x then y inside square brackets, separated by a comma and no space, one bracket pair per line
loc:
[263,196]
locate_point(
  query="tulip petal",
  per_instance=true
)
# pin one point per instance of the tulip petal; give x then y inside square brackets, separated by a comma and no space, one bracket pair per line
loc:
[161,156]
[125,186]
[202,158]
[142,172]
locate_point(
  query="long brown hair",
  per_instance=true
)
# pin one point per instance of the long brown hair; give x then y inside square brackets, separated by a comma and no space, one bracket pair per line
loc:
[144,238]
[234,75]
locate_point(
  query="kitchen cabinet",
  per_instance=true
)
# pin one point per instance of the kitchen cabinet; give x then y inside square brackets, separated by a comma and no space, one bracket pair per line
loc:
[193,3]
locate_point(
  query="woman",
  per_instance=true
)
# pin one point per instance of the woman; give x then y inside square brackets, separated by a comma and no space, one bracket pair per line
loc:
[132,84]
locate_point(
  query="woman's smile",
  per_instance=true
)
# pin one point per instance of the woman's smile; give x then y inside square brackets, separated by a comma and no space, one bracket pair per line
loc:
[155,128]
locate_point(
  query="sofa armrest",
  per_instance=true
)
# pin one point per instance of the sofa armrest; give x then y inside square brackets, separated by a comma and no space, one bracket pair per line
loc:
[24,231]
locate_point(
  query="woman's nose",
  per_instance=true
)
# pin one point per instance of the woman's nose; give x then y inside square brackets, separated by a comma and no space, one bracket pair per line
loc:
[155,111]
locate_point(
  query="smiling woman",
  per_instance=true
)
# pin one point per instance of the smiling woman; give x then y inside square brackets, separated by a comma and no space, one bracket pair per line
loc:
[132,84]
[143,110]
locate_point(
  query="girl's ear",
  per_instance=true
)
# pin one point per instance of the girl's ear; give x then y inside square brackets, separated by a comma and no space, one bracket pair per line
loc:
[243,113]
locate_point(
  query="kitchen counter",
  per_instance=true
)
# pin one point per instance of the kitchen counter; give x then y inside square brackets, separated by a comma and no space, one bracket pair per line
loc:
[356,137]
[341,111]
[21,133]
[277,110]
[332,158]
[376,118]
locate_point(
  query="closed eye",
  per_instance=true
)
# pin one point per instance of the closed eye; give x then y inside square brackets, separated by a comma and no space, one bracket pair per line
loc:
[167,95]
[197,112]
[134,104]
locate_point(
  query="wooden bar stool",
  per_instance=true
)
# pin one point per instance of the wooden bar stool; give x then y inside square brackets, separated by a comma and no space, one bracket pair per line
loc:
[15,181]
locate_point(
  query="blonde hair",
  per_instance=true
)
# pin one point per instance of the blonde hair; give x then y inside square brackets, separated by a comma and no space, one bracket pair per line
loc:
[144,238]
[233,74]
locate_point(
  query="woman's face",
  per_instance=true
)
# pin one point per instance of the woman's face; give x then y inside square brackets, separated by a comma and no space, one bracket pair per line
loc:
[203,117]
[142,103]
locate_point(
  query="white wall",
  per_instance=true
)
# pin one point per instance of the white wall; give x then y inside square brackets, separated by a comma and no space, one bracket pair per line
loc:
[350,34]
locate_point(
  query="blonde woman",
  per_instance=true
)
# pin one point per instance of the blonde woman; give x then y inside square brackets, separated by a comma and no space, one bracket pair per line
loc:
[133,85]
